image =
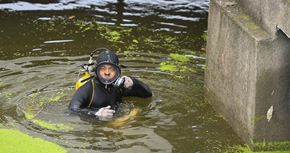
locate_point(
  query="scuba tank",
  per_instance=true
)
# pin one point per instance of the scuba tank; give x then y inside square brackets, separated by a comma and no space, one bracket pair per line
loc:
[85,71]
[81,81]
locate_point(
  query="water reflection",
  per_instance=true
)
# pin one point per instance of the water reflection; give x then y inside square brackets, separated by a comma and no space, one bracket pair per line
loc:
[162,15]
[160,42]
[30,1]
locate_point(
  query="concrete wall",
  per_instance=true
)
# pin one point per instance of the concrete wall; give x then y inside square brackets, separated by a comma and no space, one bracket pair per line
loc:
[248,71]
[268,13]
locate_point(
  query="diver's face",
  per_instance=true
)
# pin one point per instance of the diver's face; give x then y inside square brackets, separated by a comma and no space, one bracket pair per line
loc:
[107,71]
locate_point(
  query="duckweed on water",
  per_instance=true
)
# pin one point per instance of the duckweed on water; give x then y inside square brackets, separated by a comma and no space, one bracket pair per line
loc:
[52,126]
[18,142]
[176,64]
[35,107]
[180,58]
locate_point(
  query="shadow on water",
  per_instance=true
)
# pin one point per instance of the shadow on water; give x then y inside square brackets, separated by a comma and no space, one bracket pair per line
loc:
[162,43]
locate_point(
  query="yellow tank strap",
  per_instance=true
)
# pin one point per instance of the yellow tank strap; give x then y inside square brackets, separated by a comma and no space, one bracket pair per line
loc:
[92,94]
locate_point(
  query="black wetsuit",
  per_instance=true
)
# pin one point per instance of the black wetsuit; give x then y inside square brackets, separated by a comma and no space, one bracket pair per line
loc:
[93,95]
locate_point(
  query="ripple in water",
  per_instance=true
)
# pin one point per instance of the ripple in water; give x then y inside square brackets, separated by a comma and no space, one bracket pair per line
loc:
[42,109]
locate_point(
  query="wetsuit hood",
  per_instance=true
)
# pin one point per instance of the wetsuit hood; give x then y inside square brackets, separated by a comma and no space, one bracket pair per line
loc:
[108,57]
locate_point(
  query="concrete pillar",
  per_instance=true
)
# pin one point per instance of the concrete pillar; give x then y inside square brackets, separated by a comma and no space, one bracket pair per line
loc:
[247,75]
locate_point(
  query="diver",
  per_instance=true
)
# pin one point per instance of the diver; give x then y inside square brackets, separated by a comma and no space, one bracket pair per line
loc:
[100,96]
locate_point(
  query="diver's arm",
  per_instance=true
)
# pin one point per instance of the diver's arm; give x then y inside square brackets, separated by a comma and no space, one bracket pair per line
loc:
[80,101]
[138,89]
[84,112]
[103,114]
[141,88]
[74,109]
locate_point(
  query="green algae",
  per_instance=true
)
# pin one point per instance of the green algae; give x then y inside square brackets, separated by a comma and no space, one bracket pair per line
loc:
[36,106]
[277,147]
[283,145]
[167,66]
[176,63]
[18,142]
[52,126]
[248,150]
[257,119]
[180,58]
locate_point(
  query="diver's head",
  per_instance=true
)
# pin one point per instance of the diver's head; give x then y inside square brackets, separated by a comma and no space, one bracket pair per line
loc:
[107,68]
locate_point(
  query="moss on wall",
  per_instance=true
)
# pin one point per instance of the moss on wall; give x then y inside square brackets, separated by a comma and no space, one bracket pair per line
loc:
[248,150]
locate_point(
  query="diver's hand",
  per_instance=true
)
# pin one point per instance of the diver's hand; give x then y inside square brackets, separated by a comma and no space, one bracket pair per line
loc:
[128,82]
[105,113]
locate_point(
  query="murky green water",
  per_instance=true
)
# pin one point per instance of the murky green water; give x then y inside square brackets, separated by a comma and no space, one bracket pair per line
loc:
[162,45]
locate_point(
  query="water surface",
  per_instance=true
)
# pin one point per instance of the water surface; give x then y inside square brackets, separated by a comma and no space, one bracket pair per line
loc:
[162,43]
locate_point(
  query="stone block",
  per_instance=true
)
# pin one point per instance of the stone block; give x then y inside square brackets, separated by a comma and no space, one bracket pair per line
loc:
[247,76]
